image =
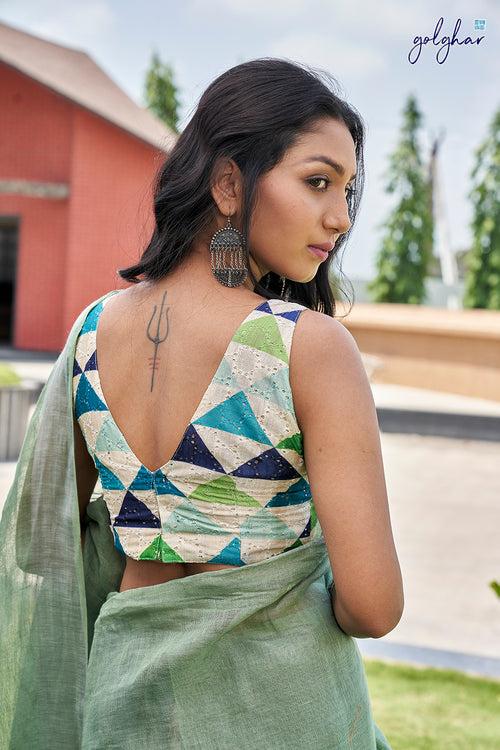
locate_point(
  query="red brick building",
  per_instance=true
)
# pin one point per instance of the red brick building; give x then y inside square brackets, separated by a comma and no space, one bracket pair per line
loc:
[77,160]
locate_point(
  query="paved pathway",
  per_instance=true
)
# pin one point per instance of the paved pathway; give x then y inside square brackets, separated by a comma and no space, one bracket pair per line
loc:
[444,499]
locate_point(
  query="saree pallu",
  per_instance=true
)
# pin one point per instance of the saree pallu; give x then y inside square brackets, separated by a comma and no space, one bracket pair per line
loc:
[247,657]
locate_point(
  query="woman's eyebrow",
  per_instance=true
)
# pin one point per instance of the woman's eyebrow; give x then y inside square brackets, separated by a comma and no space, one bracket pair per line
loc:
[334,164]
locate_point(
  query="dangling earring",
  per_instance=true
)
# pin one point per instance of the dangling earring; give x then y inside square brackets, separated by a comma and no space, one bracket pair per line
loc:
[287,295]
[228,244]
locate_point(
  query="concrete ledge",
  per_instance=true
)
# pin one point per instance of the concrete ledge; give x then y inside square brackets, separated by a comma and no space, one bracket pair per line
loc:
[441,424]
[457,351]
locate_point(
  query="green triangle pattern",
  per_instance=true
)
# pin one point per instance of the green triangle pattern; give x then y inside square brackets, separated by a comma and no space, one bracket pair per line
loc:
[223,490]
[160,550]
[264,334]
[314,517]
[186,519]
[293,442]
[266,524]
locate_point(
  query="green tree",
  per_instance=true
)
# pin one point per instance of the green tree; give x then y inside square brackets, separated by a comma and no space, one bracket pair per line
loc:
[406,250]
[160,92]
[482,263]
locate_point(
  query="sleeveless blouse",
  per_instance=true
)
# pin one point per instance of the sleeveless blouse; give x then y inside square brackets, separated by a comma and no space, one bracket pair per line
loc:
[236,489]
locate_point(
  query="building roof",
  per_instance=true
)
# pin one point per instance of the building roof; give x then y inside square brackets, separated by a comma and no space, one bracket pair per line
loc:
[74,74]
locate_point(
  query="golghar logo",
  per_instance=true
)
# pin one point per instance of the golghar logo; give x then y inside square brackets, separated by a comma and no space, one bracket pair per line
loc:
[445,43]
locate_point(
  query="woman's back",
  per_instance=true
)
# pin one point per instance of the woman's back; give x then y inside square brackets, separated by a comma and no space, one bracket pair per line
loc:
[239,385]
[153,412]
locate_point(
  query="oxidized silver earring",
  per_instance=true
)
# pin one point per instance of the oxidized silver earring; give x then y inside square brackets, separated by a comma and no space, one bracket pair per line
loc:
[286,296]
[227,256]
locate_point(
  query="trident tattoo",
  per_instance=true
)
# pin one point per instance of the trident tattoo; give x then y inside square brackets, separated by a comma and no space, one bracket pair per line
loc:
[156,339]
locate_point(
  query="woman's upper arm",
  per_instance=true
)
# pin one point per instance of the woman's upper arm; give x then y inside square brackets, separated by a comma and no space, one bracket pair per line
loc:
[342,452]
[86,472]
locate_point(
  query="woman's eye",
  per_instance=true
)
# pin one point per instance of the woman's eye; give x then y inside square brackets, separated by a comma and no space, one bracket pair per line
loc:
[320,179]
[349,190]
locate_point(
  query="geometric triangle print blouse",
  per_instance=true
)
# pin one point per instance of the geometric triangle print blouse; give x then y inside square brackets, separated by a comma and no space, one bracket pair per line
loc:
[236,490]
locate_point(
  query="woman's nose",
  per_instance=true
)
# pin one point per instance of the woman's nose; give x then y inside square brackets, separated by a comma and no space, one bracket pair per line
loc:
[338,222]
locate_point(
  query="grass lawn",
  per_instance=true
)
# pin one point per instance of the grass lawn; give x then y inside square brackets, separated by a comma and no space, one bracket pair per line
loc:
[433,709]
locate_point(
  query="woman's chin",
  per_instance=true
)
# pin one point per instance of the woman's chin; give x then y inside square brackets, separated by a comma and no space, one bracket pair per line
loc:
[310,276]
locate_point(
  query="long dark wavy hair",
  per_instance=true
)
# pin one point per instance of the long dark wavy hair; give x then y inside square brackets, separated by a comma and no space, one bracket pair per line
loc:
[252,113]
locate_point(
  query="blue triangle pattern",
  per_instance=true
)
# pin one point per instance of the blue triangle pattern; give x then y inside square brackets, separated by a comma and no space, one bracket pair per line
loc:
[229,555]
[136,513]
[269,465]
[193,450]
[110,438]
[164,486]
[224,376]
[307,530]
[91,362]
[265,307]
[235,415]
[142,480]
[109,480]
[90,322]
[86,398]
[297,493]
[118,544]
[290,315]
[274,388]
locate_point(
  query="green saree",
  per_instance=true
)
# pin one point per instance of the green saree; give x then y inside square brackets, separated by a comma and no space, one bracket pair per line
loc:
[247,657]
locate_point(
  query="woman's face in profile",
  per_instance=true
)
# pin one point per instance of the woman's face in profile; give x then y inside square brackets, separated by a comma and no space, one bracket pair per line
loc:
[303,202]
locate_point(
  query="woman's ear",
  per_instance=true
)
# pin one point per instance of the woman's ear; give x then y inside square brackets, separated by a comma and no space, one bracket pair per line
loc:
[226,186]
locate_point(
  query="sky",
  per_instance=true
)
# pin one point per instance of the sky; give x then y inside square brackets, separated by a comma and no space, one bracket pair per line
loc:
[364,45]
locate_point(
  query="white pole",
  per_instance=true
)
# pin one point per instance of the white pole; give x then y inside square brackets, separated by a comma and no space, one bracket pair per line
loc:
[442,245]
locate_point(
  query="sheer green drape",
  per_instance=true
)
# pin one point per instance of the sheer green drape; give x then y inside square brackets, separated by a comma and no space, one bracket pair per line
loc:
[43,615]
[252,652]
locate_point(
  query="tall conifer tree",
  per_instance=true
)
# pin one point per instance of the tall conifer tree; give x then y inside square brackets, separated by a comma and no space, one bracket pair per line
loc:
[482,275]
[406,250]
[160,92]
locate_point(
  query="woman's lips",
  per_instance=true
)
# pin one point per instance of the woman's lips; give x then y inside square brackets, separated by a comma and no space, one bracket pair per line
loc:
[317,252]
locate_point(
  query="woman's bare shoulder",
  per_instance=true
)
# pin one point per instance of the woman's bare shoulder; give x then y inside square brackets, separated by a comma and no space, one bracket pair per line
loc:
[324,355]
[317,329]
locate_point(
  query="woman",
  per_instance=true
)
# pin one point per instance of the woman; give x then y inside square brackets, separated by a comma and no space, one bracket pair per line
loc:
[216,601]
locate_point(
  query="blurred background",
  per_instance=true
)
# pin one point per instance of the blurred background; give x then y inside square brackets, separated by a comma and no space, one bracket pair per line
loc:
[93,97]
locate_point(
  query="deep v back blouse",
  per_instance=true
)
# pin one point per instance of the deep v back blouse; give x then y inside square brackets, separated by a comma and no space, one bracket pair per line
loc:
[235,490]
